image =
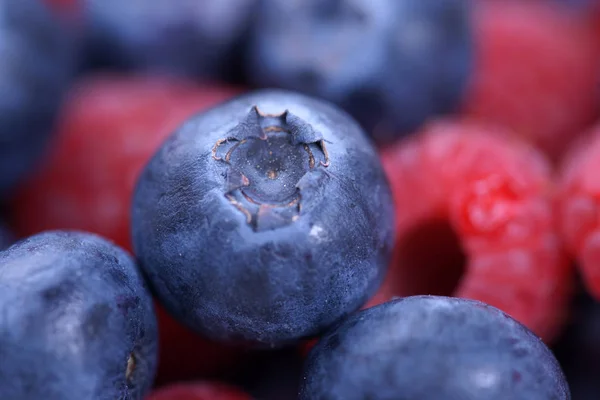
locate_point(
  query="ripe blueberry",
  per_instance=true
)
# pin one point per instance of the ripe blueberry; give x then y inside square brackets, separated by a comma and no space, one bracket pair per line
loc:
[391,64]
[76,321]
[428,347]
[265,219]
[182,37]
[36,61]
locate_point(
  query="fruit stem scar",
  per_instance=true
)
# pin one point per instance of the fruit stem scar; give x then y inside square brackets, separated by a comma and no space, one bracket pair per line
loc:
[274,129]
[266,115]
[295,201]
[235,146]
[311,157]
[286,137]
[216,147]
[240,207]
[326,162]
[131,364]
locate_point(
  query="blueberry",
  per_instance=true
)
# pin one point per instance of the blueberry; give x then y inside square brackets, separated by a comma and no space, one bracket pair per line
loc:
[36,63]
[391,64]
[181,37]
[264,220]
[76,321]
[430,348]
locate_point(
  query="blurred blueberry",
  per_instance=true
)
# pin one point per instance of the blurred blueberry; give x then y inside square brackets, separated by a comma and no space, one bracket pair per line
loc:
[181,37]
[391,64]
[37,60]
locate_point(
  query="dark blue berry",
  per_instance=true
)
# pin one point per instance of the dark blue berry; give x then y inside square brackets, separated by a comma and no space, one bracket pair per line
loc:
[265,219]
[391,64]
[181,37]
[432,348]
[76,321]
[36,62]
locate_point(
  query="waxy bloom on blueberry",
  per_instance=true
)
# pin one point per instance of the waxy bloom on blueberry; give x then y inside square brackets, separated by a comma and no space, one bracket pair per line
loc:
[76,321]
[264,220]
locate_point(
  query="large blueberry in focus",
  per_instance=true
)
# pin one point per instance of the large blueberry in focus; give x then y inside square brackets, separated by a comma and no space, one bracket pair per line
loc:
[264,220]
[76,321]
[432,348]
[181,37]
[392,64]
[36,63]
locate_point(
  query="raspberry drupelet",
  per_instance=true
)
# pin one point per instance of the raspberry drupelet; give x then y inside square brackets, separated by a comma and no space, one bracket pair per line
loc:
[475,220]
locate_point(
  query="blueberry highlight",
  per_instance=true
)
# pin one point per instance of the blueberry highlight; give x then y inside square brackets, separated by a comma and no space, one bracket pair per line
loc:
[391,64]
[37,61]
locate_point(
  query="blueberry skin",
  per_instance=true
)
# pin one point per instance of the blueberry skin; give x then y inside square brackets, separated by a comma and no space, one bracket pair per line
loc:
[179,37]
[76,321]
[289,236]
[37,60]
[391,64]
[432,348]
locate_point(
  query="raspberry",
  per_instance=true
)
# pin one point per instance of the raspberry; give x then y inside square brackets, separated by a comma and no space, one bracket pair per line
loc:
[536,71]
[474,219]
[579,207]
[109,129]
[198,391]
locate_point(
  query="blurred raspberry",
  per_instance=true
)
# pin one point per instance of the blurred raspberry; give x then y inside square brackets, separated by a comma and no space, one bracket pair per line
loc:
[109,129]
[475,220]
[537,71]
[579,207]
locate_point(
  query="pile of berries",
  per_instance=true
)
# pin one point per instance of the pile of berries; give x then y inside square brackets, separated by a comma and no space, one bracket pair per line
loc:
[314,200]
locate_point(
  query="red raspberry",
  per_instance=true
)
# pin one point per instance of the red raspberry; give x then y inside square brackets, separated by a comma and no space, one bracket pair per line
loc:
[198,391]
[579,207]
[109,129]
[474,219]
[537,71]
